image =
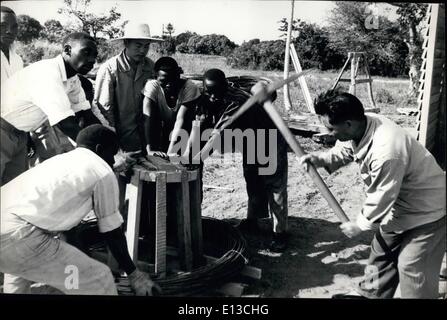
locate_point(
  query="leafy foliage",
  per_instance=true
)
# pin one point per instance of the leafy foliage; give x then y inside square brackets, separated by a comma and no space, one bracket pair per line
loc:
[54,31]
[93,24]
[384,46]
[29,28]
[255,54]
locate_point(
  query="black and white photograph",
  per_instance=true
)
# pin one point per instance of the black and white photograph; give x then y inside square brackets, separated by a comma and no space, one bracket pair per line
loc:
[223,149]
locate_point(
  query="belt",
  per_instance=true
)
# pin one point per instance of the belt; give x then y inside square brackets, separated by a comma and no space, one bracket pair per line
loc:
[9,127]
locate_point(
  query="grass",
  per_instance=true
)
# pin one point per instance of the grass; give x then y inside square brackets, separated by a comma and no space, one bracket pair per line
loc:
[389,93]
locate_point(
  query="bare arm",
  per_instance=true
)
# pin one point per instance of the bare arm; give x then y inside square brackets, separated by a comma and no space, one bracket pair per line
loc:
[177,126]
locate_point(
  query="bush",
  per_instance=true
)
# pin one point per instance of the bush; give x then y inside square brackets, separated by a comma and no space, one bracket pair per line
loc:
[108,49]
[210,44]
[384,96]
[37,50]
[255,54]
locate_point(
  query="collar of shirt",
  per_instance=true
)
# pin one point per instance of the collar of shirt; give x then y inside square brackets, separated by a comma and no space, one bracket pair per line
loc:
[124,65]
[361,150]
[15,62]
[61,65]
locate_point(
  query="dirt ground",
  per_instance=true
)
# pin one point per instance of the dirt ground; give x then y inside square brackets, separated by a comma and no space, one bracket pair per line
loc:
[320,261]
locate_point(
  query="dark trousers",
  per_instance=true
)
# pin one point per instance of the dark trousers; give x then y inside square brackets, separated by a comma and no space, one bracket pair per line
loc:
[412,259]
[269,191]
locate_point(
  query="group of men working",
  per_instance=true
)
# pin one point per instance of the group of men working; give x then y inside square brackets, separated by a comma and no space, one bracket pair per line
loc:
[137,105]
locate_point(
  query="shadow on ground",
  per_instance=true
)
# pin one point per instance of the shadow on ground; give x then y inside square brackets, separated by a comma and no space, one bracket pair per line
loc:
[318,255]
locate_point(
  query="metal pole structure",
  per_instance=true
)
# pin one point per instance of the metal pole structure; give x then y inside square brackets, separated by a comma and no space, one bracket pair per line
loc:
[287,103]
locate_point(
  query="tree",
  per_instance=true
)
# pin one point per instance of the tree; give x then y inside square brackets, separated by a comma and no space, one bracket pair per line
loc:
[284,25]
[384,46]
[410,16]
[53,31]
[169,30]
[213,44]
[312,46]
[93,24]
[29,28]
[184,37]
[255,54]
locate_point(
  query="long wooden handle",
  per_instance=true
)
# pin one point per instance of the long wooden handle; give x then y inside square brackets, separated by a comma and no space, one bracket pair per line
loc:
[272,87]
[293,143]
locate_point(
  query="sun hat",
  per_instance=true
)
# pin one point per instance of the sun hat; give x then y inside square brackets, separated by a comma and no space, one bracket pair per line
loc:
[137,30]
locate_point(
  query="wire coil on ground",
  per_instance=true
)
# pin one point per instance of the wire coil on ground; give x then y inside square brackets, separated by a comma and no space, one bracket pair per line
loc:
[223,240]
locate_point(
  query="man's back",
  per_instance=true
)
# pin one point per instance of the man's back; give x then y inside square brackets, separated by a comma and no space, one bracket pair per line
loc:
[421,196]
[57,194]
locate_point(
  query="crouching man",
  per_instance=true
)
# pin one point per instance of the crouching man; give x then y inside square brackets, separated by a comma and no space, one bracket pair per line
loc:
[53,197]
[405,198]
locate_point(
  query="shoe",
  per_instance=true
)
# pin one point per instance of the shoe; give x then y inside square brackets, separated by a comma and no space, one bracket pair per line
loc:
[249,226]
[279,242]
[349,295]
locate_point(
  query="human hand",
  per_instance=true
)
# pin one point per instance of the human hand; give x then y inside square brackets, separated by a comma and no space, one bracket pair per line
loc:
[160,154]
[260,89]
[310,159]
[350,229]
[125,160]
[142,284]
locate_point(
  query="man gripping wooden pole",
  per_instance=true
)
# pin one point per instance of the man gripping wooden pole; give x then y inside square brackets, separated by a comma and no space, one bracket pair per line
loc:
[293,143]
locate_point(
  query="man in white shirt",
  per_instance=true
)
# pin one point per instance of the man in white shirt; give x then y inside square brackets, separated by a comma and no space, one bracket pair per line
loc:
[405,198]
[46,90]
[10,60]
[54,197]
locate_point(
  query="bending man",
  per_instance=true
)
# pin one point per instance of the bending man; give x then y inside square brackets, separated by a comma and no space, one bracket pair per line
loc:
[54,197]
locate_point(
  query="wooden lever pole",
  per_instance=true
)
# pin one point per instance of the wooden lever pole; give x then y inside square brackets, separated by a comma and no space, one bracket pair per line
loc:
[204,153]
[293,143]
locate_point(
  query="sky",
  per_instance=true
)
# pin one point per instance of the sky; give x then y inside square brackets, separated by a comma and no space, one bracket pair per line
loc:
[239,20]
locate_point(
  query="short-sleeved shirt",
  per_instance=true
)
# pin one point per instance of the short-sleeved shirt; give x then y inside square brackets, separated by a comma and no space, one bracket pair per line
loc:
[153,90]
[58,193]
[41,92]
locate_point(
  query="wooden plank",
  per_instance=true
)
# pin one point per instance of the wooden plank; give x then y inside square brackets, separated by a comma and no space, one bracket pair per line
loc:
[171,177]
[341,72]
[440,45]
[363,81]
[196,222]
[430,54]
[160,224]
[408,111]
[184,223]
[252,272]
[302,80]
[134,194]
[439,53]
[306,127]
[435,98]
[433,117]
[232,289]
